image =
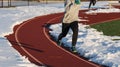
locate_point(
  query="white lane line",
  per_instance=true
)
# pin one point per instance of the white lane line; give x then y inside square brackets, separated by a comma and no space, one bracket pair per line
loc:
[44,30]
[17,40]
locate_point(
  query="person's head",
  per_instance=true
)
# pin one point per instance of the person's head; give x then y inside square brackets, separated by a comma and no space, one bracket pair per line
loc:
[77,1]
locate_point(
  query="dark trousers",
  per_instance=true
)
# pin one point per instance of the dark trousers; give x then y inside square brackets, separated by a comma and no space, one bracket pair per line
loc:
[92,2]
[65,29]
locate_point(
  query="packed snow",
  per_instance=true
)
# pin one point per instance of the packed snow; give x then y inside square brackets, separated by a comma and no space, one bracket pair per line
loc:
[113,10]
[91,43]
[9,17]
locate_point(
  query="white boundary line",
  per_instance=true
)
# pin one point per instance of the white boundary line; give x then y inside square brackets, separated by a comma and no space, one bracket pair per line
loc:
[107,21]
[17,40]
[64,49]
[51,41]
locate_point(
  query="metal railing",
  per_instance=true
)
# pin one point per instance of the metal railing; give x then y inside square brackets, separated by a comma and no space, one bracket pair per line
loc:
[12,3]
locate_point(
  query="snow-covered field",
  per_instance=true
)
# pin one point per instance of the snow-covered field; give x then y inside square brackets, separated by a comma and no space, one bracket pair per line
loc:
[91,44]
[9,17]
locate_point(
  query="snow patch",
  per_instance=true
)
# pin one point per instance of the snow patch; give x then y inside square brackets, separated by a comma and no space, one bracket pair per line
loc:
[109,10]
[92,44]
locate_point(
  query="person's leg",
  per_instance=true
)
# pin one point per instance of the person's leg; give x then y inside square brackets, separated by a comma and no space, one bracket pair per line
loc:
[65,29]
[94,2]
[90,4]
[74,27]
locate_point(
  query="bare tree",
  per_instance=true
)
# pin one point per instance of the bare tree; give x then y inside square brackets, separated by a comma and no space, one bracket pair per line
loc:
[28,2]
[9,3]
[2,3]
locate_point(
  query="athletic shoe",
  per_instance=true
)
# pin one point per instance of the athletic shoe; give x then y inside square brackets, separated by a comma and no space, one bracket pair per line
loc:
[74,49]
[59,42]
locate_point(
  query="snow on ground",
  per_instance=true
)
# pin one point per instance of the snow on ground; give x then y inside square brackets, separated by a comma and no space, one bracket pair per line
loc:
[93,45]
[104,50]
[113,10]
[9,17]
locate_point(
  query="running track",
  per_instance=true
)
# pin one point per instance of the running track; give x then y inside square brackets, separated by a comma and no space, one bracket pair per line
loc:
[31,39]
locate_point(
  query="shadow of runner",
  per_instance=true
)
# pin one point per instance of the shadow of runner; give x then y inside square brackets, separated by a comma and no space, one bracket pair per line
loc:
[25,46]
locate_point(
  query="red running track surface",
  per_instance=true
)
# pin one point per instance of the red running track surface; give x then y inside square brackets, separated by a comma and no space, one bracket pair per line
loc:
[31,39]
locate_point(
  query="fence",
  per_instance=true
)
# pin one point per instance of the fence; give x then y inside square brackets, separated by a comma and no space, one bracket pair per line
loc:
[13,3]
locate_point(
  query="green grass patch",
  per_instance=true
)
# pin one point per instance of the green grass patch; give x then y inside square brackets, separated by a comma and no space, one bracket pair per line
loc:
[111,28]
[115,39]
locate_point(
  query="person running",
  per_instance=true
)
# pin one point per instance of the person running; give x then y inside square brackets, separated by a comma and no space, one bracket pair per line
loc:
[70,21]
[92,2]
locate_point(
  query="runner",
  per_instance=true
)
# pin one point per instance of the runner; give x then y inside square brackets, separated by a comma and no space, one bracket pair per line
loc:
[70,21]
[92,2]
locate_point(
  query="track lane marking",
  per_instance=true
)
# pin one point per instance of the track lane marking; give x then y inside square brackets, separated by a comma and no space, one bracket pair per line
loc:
[17,40]
[44,30]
